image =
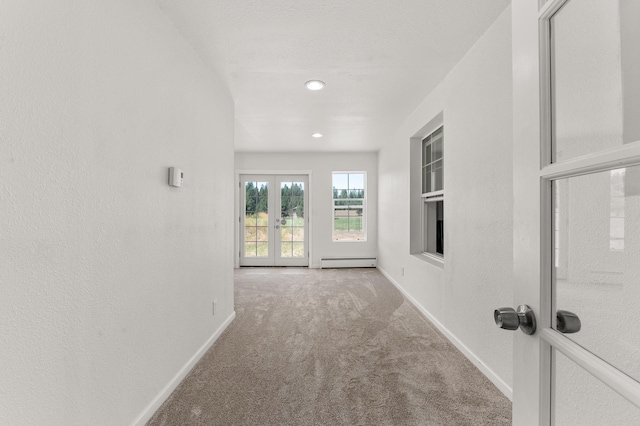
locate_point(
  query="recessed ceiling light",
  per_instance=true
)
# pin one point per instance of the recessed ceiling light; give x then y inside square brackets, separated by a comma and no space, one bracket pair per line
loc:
[314,85]
[317,135]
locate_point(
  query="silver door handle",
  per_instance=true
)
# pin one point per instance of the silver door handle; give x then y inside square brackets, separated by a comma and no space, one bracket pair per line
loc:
[277,226]
[511,319]
[568,322]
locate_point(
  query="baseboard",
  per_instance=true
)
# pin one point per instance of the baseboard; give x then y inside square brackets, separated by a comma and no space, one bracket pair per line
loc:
[348,262]
[150,410]
[491,375]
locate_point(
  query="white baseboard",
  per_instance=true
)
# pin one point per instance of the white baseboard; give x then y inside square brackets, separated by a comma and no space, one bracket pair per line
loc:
[348,262]
[491,375]
[150,410]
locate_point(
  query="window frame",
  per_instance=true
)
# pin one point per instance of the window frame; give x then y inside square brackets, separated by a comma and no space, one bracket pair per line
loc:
[429,197]
[364,207]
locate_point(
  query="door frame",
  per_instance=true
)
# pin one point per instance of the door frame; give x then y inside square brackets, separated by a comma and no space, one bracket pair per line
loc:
[533,174]
[237,213]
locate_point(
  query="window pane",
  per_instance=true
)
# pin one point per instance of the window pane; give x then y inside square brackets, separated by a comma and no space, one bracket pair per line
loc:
[296,206]
[437,175]
[340,223]
[250,190]
[433,240]
[263,249]
[250,249]
[582,399]
[262,219]
[343,193]
[356,181]
[426,150]
[297,189]
[596,89]
[251,219]
[426,186]
[298,233]
[340,181]
[440,227]
[298,249]
[286,233]
[597,246]
[286,249]
[348,214]
[262,233]
[250,233]
[437,149]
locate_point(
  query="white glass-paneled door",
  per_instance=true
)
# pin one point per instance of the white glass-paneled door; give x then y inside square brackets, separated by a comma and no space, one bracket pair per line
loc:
[576,75]
[274,220]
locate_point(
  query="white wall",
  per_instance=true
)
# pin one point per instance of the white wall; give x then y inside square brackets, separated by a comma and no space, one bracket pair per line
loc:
[475,99]
[106,273]
[321,166]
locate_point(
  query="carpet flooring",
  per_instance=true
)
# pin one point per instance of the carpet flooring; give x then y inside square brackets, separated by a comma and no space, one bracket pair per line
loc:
[330,347]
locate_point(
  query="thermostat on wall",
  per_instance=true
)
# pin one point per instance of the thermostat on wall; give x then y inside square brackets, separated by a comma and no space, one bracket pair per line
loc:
[175,176]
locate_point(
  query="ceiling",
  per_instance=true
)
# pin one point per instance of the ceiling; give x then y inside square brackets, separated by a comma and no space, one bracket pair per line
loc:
[379,59]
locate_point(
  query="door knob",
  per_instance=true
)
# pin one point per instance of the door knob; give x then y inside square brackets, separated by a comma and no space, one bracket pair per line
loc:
[568,322]
[512,319]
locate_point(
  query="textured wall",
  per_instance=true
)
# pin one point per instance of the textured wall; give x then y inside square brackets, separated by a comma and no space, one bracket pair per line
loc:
[106,273]
[476,101]
[322,165]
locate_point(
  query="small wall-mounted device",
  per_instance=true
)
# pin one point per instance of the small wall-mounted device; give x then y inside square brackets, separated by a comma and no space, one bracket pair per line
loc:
[176,176]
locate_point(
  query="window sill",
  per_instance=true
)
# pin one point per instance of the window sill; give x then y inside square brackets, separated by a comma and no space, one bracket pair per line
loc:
[430,258]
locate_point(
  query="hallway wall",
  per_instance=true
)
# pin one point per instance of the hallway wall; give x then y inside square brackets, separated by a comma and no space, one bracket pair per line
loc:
[475,100]
[107,274]
[322,165]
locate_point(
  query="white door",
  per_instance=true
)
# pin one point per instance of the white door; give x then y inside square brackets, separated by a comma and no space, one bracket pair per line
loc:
[275,221]
[577,211]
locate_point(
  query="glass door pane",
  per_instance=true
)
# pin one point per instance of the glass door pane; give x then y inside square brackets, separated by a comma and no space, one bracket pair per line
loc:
[581,399]
[595,64]
[597,262]
[292,222]
[256,221]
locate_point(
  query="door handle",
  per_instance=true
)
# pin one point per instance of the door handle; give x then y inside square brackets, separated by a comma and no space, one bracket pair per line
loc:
[277,226]
[512,319]
[568,322]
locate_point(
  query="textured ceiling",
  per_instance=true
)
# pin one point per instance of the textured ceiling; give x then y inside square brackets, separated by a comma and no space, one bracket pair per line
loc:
[379,58]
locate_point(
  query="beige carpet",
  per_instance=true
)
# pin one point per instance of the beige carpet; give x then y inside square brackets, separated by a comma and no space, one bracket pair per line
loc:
[330,347]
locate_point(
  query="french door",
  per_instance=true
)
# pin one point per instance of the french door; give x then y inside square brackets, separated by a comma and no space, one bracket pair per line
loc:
[576,71]
[274,221]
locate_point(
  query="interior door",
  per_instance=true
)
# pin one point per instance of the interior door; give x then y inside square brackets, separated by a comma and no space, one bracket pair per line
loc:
[576,211]
[275,221]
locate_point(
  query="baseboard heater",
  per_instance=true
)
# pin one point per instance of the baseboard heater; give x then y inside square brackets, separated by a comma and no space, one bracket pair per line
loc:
[349,262]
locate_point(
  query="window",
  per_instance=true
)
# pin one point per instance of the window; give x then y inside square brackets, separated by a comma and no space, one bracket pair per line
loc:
[349,206]
[433,193]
